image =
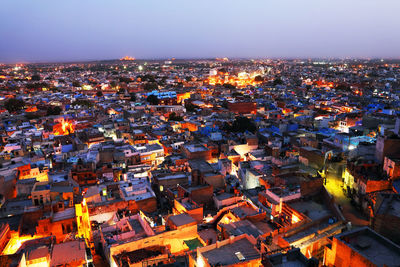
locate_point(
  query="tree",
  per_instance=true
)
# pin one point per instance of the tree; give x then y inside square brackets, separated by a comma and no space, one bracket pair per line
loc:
[76,84]
[35,77]
[190,107]
[174,117]
[242,124]
[153,99]
[53,110]
[133,97]
[150,86]
[228,86]
[258,78]
[343,87]
[83,102]
[113,84]
[236,94]
[277,81]
[99,93]
[13,104]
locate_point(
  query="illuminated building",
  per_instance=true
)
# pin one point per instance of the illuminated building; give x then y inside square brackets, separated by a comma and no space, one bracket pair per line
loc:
[361,247]
[38,257]
[4,236]
[16,241]
[243,107]
[64,127]
[83,223]
[127,58]
[72,253]
[133,233]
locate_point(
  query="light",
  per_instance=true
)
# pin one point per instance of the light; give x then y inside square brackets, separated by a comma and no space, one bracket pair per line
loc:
[140,67]
[351,147]
[64,128]
[295,219]
[16,242]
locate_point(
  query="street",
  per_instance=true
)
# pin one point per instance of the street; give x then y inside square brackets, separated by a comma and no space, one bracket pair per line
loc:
[333,186]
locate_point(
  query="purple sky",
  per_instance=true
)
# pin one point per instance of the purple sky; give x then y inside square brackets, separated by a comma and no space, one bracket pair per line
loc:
[49,30]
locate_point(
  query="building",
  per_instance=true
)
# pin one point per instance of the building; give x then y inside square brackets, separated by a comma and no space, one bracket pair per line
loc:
[386,216]
[361,247]
[235,251]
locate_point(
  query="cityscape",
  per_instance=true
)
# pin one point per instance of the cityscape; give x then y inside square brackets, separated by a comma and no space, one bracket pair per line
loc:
[197,160]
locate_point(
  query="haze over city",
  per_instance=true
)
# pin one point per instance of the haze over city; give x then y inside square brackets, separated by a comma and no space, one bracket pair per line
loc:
[40,31]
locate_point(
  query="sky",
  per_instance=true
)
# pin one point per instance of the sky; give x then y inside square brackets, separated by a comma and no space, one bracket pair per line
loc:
[70,30]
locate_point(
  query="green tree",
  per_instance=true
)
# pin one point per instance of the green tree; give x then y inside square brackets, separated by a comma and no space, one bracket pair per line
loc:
[13,104]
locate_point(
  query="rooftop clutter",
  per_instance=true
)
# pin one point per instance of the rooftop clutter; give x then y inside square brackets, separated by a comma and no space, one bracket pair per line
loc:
[200,163]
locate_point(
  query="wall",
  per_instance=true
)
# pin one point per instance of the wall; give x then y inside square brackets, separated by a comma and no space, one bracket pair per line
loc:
[342,255]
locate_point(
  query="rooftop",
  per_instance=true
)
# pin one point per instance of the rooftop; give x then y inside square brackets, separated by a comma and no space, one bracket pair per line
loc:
[182,219]
[233,253]
[372,246]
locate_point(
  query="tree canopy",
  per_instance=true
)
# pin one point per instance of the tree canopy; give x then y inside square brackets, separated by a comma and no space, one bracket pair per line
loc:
[258,78]
[13,104]
[150,86]
[153,99]
[53,110]
[83,102]
[174,117]
[241,124]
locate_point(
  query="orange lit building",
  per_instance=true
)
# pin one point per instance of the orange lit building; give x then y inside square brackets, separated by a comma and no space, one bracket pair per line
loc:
[186,205]
[128,58]
[243,107]
[362,247]
[83,223]
[182,96]
[64,127]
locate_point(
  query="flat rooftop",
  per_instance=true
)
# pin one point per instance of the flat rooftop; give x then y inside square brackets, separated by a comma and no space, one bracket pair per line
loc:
[242,227]
[372,246]
[244,211]
[224,196]
[195,148]
[292,258]
[311,209]
[390,205]
[181,219]
[227,255]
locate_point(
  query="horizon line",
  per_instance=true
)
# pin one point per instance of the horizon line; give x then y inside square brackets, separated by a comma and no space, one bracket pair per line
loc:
[195,58]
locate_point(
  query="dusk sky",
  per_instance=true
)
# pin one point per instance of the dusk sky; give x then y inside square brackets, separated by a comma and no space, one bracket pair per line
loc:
[38,31]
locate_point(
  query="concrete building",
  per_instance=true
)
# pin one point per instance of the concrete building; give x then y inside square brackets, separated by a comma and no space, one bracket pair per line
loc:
[361,247]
